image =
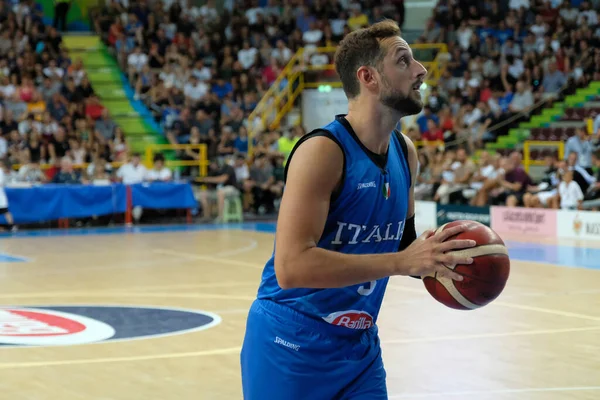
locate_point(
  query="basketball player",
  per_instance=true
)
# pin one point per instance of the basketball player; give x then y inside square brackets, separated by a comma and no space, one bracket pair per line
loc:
[347,209]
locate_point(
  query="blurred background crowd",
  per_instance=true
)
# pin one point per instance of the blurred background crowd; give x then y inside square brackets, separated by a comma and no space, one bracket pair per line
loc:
[202,72]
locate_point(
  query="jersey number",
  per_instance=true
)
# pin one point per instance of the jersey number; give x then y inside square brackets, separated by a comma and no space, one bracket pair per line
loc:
[363,291]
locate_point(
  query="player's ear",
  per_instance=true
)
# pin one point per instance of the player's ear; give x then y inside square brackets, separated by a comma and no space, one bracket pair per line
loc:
[367,77]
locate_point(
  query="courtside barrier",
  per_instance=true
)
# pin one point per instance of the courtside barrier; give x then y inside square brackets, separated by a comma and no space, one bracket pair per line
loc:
[449,213]
[50,202]
[526,221]
[578,225]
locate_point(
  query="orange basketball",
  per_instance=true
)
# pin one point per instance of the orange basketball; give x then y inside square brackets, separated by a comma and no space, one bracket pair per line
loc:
[483,280]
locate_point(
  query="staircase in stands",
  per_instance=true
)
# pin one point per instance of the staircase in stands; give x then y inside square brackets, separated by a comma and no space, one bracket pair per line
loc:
[556,116]
[281,98]
[114,91]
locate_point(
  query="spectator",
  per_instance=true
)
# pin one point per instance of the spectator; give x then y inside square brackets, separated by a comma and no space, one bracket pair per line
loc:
[132,172]
[580,175]
[260,185]
[522,100]
[592,197]
[30,171]
[222,183]
[105,125]
[580,144]
[159,172]
[569,192]
[460,173]
[545,192]
[99,170]
[515,183]
[67,175]
[553,81]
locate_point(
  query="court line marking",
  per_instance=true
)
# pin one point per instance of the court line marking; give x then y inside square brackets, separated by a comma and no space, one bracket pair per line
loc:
[517,306]
[548,311]
[228,253]
[499,391]
[491,335]
[553,294]
[117,291]
[125,294]
[224,351]
[77,269]
[232,311]
[191,286]
[190,256]
[253,245]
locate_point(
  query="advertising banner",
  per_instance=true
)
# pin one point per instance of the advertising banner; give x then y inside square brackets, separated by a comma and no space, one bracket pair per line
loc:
[449,213]
[320,107]
[525,221]
[579,225]
[425,215]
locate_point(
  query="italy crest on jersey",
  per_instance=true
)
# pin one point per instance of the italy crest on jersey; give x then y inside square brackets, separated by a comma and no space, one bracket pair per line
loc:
[386,190]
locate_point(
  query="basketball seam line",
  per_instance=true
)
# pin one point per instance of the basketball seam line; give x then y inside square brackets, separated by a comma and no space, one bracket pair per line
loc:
[485,250]
[454,292]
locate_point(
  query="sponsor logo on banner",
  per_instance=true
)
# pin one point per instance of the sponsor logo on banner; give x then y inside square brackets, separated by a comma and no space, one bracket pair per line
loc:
[524,221]
[425,215]
[72,325]
[450,213]
[579,224]
[351,319]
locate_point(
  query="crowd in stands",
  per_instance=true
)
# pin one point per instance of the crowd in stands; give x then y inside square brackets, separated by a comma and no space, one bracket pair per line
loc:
[53,125]
[202,71]
[506,57]
[452,177]
[477,93]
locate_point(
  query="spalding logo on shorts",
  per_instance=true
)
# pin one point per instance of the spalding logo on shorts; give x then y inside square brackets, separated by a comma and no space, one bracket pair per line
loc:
[71,325]
[350,319]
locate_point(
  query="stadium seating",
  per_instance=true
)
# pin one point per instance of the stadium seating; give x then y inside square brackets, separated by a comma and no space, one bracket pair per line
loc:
[54,107]
[491,52]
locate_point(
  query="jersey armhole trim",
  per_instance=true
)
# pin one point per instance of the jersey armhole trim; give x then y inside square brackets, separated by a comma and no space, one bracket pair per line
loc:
[404,146]
[329,135]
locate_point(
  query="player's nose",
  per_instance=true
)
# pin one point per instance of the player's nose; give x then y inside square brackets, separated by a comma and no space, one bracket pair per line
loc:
[419,71]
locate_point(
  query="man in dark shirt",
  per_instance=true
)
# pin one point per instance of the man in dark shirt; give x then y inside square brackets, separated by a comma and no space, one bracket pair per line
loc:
[67,175]
[515,183]
[221,183]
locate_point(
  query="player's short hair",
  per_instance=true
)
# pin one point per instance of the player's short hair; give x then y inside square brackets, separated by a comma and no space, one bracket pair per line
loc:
[362,48]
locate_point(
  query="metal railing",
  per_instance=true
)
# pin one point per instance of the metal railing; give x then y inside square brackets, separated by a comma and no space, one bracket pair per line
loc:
[202,162]
[528,144]
[282,94]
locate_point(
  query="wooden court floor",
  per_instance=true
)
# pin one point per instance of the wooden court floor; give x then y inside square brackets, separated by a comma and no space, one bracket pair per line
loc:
[539,341]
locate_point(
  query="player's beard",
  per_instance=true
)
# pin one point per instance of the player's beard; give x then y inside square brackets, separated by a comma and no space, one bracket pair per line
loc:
[410,104]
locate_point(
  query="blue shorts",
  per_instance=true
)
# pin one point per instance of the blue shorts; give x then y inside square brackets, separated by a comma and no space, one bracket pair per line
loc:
[289,356]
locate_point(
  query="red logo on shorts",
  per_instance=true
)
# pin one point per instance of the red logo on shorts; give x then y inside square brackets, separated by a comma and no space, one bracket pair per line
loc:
[350,319]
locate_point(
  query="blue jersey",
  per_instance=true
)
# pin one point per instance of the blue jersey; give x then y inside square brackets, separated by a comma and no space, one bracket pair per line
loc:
[366,216]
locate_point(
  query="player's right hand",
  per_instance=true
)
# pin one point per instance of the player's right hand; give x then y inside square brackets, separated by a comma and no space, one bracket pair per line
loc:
[432,253]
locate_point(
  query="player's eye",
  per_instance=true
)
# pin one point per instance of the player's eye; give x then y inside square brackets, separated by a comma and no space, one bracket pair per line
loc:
[403,60]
